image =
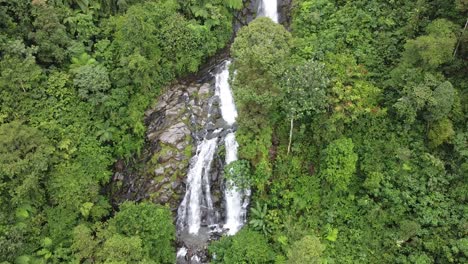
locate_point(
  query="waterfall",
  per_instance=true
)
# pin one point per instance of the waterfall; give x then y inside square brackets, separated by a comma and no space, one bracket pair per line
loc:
[196,211]
[235,208]
[198,188]
[269,8]
[223,91]
[236,200]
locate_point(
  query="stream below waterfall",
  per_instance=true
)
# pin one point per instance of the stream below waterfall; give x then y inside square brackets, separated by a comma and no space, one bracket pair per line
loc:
[198,221]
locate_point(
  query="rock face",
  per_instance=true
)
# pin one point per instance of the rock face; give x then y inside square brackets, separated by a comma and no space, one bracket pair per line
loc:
[284,10]
[173,125]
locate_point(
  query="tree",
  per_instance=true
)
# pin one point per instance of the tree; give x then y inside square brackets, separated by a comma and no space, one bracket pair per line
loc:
[92,82]
[81,27]
[430,97]
[440,132]
[416,96]
[137,233]
[84,245]
[19,76]
[260,52]
[50,35]
[244,247]
[154,43]
[77,180]
[15,18]
[25,157]
[339,163]
[443,98]
[82,4]
[307,250]
[304,87]
[351,94]
[122,249]
[434,49]
[153,224]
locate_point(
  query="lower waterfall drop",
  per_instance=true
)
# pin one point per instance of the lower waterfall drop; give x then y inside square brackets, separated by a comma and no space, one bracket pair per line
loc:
[236,200]
[198,188]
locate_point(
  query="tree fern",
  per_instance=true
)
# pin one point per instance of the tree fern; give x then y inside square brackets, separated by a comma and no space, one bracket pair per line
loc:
[234,4]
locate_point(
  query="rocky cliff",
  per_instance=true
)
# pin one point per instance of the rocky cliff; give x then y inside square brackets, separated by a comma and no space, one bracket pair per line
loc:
[173,125]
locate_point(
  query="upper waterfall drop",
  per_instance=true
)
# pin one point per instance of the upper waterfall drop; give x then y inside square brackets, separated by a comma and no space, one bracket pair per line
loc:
[223,91]
[269,8]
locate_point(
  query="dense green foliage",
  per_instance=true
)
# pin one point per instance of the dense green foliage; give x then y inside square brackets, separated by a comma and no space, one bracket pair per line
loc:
[75,79]
[130,236]
[240,249]
[355,130]
[352,128]
[259,51]
[307,250]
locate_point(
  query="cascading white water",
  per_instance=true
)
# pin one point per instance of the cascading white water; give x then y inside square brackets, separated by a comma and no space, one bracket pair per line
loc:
[198,187]
[235,211]
[269,8]
[223,91]
[236,200]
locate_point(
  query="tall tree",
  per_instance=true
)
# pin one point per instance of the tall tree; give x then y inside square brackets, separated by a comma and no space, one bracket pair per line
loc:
[49,35]
[261,52]
[434,49]
[304,87]
[19,78]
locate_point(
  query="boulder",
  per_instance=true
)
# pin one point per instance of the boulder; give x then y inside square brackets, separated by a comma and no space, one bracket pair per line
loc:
[175,111]
[204,90]
[192,89]
[159,171]
[175,134]
[166,156]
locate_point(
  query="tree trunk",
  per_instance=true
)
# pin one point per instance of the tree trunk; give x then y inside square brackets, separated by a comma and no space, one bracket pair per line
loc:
[459,39]
[290,134]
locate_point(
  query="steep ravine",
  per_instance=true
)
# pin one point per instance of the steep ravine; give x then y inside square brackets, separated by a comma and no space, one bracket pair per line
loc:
[190,137]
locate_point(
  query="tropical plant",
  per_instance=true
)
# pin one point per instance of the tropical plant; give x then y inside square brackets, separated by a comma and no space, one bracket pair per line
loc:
[258,219]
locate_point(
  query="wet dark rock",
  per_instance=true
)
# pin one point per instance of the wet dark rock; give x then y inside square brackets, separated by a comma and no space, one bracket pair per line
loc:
[158,173]
[284,10]
[165,157]
[175,185]
[220,123]
[205,90]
